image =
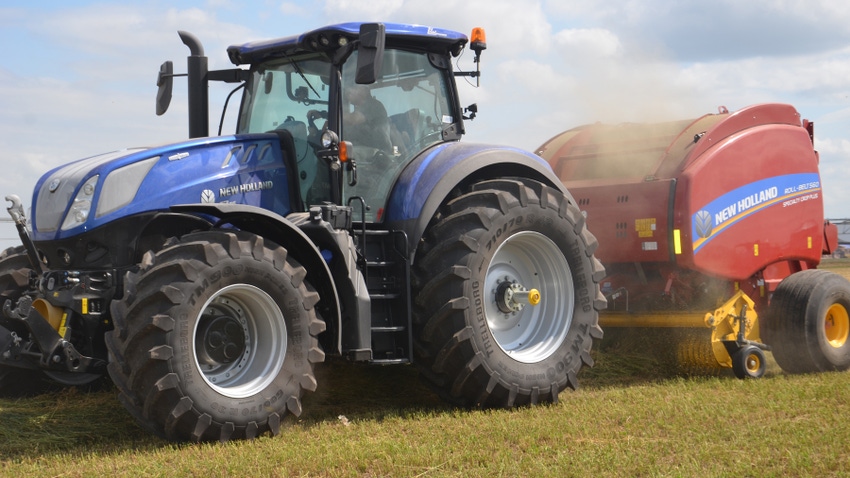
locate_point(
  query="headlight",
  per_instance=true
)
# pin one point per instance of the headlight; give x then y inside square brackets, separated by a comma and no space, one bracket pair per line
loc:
[80,208]
[329,139]
[120,186]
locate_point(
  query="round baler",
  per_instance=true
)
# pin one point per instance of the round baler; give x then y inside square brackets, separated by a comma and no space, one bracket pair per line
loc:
[713,225]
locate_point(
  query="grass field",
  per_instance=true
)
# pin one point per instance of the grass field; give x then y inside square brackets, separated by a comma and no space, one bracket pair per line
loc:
[632,417]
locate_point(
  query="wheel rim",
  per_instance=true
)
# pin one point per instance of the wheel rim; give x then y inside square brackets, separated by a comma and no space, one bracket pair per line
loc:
[240,341]
[753,363]
[529,262]
[837,325]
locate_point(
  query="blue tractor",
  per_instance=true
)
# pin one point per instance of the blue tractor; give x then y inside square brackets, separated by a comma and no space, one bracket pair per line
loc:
[344,218]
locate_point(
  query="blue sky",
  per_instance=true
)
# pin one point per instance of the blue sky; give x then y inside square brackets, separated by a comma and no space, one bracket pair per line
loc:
[77,78]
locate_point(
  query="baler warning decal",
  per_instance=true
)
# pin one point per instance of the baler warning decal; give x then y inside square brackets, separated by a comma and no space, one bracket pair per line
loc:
[645,227]
[788,190]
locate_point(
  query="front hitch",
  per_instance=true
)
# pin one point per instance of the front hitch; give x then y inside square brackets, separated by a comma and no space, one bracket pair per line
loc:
[57,353]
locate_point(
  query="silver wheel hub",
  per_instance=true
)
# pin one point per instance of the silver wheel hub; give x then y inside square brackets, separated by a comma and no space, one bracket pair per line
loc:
[240,341]
[531,297]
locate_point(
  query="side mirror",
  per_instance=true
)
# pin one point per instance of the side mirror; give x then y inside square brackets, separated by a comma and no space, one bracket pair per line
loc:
[370,56]
[165,82]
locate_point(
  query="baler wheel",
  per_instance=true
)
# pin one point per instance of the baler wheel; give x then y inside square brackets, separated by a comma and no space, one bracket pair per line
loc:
[837,325]
[507,296]
[749,362]
[808,325]
[215,338]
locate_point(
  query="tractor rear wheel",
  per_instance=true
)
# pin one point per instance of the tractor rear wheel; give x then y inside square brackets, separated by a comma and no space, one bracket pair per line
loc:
[507,299]
[808,325]
[215,338]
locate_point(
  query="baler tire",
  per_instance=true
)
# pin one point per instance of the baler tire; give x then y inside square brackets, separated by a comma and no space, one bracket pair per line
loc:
[807,324]
[215,338]
[749,362]
[468,350]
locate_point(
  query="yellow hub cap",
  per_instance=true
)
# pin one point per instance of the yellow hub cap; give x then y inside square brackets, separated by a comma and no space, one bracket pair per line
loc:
[837,325]
[753,363]
[534,297]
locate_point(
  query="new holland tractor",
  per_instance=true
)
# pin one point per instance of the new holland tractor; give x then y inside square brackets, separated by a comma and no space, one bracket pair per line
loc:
[711,230]
[343,218]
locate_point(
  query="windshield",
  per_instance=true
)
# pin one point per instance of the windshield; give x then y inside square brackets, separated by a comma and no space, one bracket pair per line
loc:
[283,92]
[290,98]
[391,121]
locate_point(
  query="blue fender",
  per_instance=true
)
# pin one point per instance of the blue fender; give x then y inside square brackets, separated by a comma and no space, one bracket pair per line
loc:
[429,179]
[282,231]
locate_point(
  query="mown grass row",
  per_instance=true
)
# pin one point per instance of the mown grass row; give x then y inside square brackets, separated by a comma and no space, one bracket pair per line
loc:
[633,416]
[368,421]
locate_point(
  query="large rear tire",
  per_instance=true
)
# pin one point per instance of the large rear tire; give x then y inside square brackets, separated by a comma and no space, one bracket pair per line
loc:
[483,336]
[807,324]
[215,338]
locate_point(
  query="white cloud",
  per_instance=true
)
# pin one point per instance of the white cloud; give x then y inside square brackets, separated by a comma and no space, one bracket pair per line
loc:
[114,52]
[589,44]
[358,10]
[550,66]
[512,29]
[721,29]
[835,159]
[839,146]
[817,84]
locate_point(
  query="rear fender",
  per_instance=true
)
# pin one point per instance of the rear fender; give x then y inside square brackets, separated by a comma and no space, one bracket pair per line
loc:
[282,231]
[429,180]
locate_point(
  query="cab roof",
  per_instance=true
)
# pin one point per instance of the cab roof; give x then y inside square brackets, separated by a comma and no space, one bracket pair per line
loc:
[332,37]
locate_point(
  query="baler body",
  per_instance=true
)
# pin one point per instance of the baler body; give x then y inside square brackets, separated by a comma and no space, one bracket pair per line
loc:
[709,230]
[727,197]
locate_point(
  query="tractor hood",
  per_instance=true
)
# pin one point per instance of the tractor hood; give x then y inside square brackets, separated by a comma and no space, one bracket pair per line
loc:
[80,196]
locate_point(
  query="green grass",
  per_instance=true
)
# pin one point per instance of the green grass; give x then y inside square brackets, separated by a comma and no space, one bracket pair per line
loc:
[615,425]
[632,416]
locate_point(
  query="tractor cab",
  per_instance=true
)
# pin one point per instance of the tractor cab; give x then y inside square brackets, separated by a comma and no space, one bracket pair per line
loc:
[381,125]
[351,104]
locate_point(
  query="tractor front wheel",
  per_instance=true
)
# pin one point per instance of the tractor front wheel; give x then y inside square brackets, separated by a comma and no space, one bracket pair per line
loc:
[215,338]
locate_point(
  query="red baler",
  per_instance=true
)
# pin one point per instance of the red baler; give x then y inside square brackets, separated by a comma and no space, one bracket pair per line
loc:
[700,221]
